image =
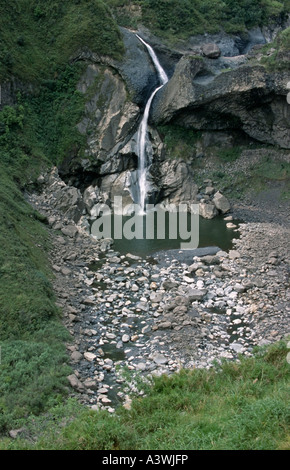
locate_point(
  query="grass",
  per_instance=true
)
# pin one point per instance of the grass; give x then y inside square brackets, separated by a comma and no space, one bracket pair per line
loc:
[68,26]
[235,183]
[180,19]
[38,41]
[179,142]
[234,406]
[39,131]
[229,154]
[279,59]
[32,339]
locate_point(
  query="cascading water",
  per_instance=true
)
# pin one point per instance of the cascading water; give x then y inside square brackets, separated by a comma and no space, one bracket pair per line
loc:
[143,163]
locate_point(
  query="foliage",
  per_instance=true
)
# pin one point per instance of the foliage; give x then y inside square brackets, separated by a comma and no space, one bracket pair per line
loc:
[233,406]
[268,169]
[38,41]
[229,154]
[175,19]
[179,142]
[32,379]
[31,335]
[278,58]
[54,111]
[68,27]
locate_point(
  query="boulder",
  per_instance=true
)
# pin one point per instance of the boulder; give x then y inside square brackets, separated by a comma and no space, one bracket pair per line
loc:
[159,359]
[212,51]
[70,231]
[176,182]
[75,382]
[91,197]
[221,203]
[207,210]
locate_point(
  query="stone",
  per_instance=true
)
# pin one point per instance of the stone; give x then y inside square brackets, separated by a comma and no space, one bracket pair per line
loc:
[70,231]
[156,297]
[75,382]
[196,294]
[95,408]
[90,383]
[89,301]
[221,203]
[168,285]
[159,359]
[209,190]
[237,347]
[105,400]
[89,356]
[66,271]
[207,210]
[146,329]
[125,338]
[76,356]
[234,254]
[90,197]
[211,50]
[165,325]
[230,225]
[15,432]
[110,335]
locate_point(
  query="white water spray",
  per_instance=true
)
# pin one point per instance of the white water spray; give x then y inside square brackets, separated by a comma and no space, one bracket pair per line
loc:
[142,132]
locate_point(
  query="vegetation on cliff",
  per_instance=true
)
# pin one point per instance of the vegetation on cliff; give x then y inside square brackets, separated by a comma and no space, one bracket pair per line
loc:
[38,37]
[38,129]
[276,55]
[179,19]
[40,41]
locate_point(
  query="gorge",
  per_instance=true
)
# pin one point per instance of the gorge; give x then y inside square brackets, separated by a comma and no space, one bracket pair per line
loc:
[131,338]
[143,302]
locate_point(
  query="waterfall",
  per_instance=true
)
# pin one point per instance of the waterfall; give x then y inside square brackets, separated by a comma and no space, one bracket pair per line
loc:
[143,163]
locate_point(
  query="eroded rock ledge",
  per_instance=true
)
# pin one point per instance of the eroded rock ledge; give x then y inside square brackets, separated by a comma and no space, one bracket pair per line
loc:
[247,97]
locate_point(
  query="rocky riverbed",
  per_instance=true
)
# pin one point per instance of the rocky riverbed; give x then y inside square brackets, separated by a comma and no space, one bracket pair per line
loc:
[131,317]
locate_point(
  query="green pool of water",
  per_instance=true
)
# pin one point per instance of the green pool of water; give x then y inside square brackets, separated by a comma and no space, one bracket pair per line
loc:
[212,232]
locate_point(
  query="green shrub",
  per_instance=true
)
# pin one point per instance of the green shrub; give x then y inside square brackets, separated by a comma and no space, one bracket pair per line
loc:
[179,141]
[233,406]
[229,154]
[183,18]
[36,36]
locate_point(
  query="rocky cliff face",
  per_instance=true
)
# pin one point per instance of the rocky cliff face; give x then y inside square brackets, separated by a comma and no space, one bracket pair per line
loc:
[214,87]
[116,93]
[246,97]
